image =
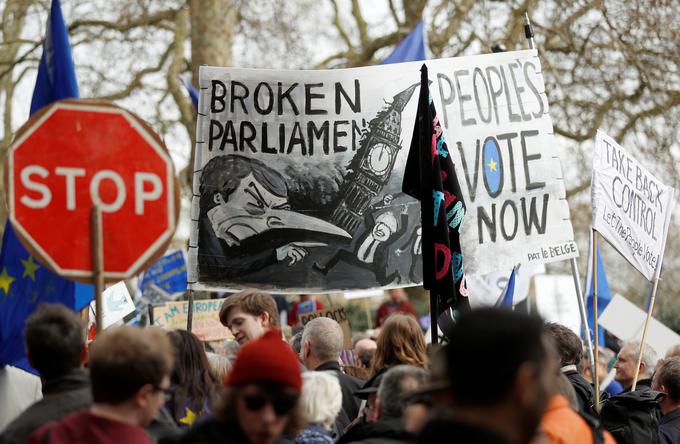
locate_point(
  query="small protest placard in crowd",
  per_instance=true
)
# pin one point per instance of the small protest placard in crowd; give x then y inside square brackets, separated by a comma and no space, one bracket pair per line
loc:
[168,273]
[338,315]
[117,304]
[631,207]
[205,323]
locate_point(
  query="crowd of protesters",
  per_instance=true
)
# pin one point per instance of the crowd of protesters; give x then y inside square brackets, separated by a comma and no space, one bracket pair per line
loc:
[503,377]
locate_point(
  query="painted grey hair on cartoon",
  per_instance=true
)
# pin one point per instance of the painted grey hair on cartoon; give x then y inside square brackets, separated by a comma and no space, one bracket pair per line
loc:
[223,174]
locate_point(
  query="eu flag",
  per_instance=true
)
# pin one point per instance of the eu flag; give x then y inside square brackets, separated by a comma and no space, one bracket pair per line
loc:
[430,177]
[193,94]
[24,282]
[411,49]
[56,73]
[604,295]
[506,299]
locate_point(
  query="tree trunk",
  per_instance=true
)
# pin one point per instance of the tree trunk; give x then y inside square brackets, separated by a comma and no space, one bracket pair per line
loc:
[212,28]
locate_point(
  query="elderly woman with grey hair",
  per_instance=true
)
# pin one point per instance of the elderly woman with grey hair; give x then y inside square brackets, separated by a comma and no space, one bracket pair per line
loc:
[321,401]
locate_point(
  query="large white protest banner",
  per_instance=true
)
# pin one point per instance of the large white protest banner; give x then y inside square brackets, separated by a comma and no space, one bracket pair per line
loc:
[631,207]
[298,174]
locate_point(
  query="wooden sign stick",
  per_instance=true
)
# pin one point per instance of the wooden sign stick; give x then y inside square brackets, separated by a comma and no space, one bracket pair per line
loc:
[596,338]
[650,309]
[97,241]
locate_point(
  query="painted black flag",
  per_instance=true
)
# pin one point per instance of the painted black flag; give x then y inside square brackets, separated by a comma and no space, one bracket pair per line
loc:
[430,177]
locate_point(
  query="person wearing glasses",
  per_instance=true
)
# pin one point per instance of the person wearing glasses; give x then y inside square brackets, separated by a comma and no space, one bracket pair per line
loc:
[130,379]
[259,402]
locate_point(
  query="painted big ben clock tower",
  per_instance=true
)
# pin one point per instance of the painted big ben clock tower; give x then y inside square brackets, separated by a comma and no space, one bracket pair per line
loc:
[372,164]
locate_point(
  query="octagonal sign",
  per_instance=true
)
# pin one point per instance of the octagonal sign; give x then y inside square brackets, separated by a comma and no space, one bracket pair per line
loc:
[74,154]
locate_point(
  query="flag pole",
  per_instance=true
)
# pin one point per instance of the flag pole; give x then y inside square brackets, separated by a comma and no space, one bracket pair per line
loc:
[650,309]
[582,310]
[190,311]
[596,337]
[529,34]
[434,328]
[96,242]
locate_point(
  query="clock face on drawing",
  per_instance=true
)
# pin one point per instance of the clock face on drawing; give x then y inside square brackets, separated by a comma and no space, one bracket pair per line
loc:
[379,158]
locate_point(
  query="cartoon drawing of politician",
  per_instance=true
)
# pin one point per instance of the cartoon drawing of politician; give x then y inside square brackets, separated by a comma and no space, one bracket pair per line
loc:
[382,226]
[246,223]
[413,248]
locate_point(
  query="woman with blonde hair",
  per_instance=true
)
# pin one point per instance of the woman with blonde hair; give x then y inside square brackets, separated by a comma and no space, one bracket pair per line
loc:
[401,341]
[321,401]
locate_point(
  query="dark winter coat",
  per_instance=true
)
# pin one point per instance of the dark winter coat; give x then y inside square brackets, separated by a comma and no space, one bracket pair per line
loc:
[669,427]
[348,385]
[61,397]
[385,431]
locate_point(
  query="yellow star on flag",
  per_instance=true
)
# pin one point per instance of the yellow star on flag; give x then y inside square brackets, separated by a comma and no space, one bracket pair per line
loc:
[492,165]
[30,268]
[189,418]
[5,280]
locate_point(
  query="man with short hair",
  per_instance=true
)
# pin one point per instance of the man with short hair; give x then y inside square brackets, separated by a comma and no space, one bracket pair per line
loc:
[673,351]
[56,348]
[667,381]
[499,370]
[130,376]
[322,341]
[249,314]
[570,351]
[626,362]
[386,424]
[364,349]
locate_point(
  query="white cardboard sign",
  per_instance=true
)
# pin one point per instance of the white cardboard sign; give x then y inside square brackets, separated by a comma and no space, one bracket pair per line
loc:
[625,320]
[631,207]
[117,304]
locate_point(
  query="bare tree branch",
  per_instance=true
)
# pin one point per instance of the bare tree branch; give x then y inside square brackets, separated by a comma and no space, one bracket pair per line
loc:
[125,26]
[361,23]
[137,80]
[337,22]
[393,12]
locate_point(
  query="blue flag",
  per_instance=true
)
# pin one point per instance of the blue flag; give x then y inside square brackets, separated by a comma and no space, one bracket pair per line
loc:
[193,94]
[506,299]
[24,282]
[169,273]
[56,73]
[411,49]
[604,296]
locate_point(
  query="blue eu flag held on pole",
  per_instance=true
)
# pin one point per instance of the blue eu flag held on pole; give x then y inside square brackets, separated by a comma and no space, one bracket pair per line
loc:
[24,282]
[56,73]
[604,295]
[411,49]
[506,299]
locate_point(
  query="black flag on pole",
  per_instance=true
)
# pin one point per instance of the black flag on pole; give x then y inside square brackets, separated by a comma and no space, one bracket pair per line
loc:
[430,177]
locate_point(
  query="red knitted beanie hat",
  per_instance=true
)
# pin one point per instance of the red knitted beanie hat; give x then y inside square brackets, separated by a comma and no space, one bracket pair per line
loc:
[267,359]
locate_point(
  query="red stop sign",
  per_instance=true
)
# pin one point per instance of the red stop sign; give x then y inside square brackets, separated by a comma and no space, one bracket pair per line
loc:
[74,154]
